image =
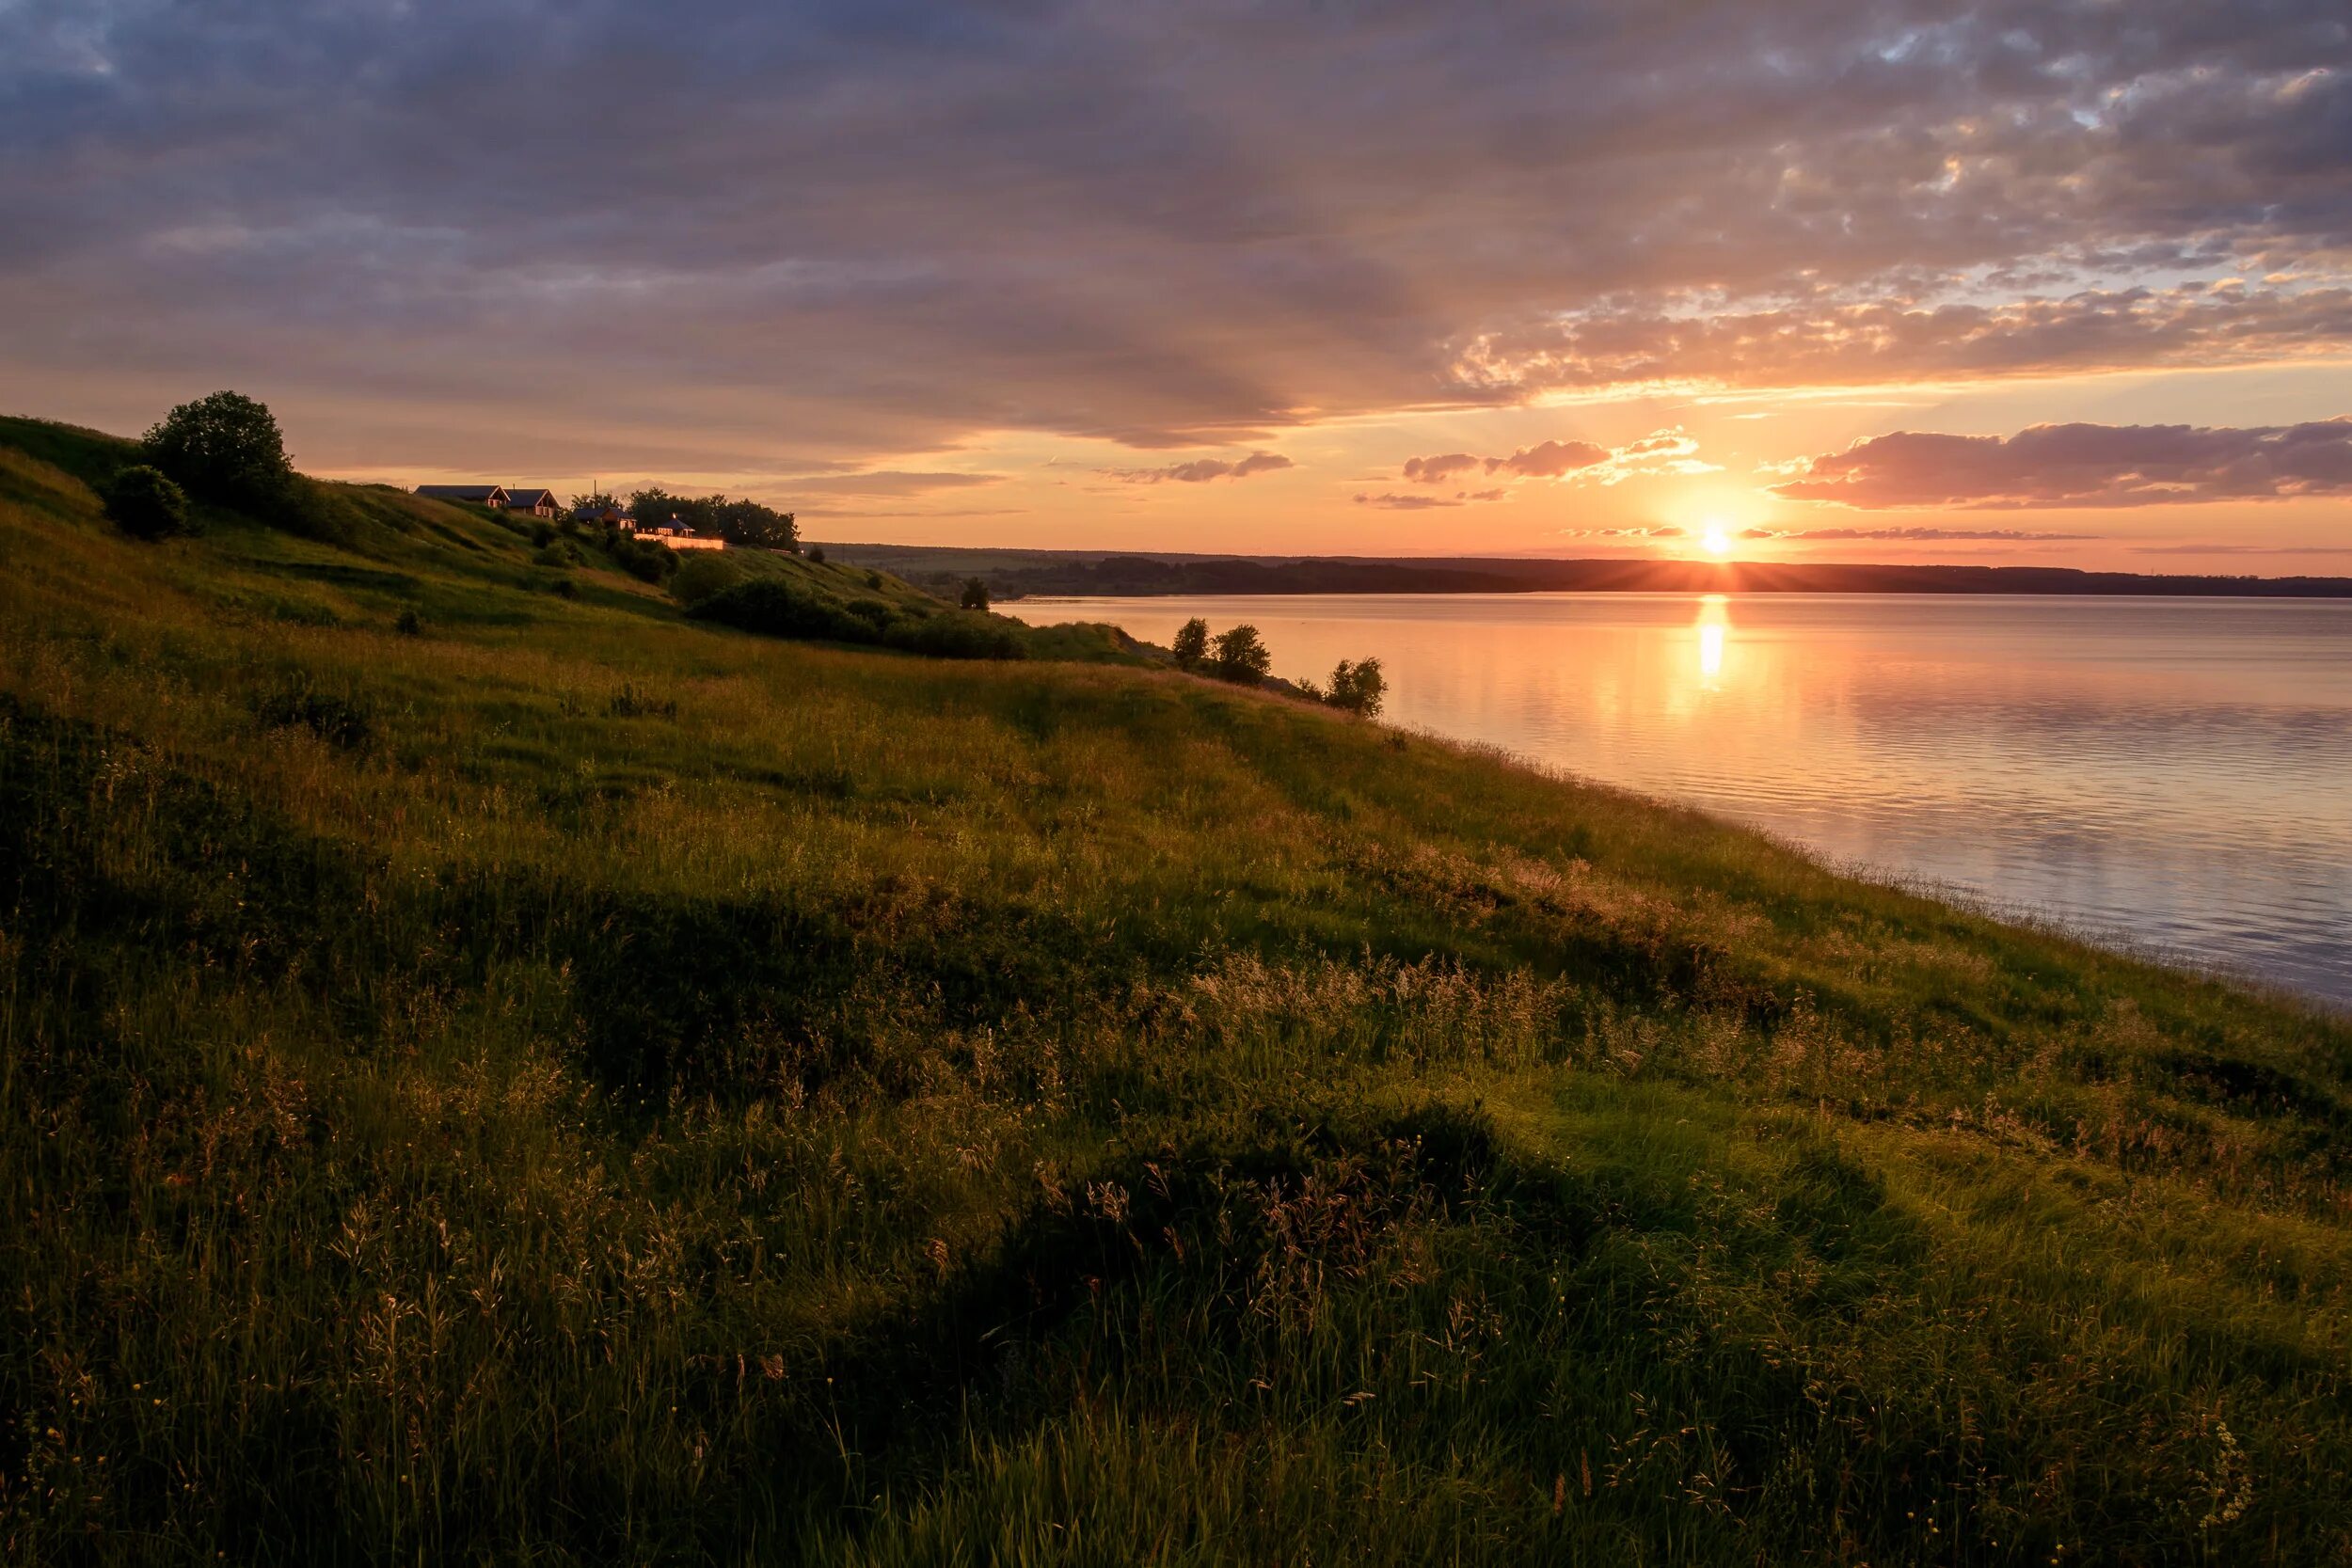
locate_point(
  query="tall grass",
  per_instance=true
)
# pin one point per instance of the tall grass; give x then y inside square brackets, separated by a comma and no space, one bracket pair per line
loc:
[577,1085]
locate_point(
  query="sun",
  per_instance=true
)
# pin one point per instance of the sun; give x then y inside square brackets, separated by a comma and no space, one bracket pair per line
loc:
[1715,538]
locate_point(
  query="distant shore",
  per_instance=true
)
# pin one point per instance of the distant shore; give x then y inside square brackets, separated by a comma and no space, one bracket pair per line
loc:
[1017,573]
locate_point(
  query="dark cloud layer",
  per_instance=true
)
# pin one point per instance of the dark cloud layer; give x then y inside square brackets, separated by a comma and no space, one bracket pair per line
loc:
[720,230]
[2083,464]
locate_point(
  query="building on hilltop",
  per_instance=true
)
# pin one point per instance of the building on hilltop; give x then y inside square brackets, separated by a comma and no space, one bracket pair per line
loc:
[676,535]
[492,496]
[497,497]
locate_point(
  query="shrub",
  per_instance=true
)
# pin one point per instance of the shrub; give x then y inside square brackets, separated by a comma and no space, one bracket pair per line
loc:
[960,634]
[644,558]
[226,449]
[565,588]
[778,609]
[873,579]
[407,625]
[146,504]
[1358,687]
[701,575]
[1192,644]
[817,554]
[974,595]
[1241,657]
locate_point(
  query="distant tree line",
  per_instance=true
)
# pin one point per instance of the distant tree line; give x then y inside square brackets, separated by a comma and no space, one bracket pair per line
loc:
[1241,655]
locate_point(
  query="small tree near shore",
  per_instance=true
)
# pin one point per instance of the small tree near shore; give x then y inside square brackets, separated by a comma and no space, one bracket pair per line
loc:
[975,595]
[1358,687]
[1192,644]
[1241,657]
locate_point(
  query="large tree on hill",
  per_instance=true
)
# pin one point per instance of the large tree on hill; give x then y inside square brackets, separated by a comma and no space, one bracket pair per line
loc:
[225,448]
[1191,646]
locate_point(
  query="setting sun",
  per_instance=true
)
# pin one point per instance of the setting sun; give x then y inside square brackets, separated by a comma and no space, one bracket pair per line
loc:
[1716,538]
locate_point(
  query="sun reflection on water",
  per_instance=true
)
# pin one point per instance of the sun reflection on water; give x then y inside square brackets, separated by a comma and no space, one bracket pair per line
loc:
[1714,628]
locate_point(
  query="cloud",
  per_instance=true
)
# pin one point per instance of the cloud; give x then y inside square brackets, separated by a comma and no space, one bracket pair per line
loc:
[2242,549]
[1908,534]
[935,228]
[1433,470]
[885,481]
[1665,531]
[1836,341]
[1394,503]
[1550,459]
[1202,470]
[1662,451]
[2082,466]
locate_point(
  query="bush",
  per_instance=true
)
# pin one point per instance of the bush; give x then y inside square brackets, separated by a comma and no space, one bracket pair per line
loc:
[960,634]
[701,575]
[1358,687]
[1192,644]
[146,504]
[226,449]
[1241,657]
[407,625]
[644,558]
[776,608]
[974,595]
[817,554]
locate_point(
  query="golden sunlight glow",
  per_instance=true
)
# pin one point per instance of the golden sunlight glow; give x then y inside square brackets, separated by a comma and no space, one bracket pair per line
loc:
[1716,537]
[1714,626]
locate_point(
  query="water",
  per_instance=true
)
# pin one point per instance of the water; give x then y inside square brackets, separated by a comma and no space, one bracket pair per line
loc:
[2170,775]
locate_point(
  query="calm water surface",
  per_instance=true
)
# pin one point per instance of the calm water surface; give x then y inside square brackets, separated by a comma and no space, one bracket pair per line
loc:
[2175,774]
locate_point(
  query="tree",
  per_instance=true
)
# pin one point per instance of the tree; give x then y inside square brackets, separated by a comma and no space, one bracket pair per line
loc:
[226,449]
[1241,657]
[749,523]
[1192,644]
[975,595]
[653,507]
[145,503]
[1358,687]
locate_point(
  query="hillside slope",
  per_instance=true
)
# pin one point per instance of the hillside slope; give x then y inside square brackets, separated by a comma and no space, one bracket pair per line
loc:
[578,1084]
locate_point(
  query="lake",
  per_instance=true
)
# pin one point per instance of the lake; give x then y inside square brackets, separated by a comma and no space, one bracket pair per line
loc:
[2173,775]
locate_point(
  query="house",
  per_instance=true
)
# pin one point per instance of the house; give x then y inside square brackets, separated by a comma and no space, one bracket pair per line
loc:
[681,538]
[530,498]
[464,495]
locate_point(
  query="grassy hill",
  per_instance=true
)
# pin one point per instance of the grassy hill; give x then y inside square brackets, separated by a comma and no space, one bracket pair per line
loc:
[577,1084]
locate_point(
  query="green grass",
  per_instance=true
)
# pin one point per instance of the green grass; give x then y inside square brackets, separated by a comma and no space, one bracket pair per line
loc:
[578,1085]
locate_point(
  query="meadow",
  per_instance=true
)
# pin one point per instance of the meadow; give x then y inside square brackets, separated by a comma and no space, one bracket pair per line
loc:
[575,1083]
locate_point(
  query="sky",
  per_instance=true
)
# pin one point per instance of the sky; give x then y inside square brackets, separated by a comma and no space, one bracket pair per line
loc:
[2063,283]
